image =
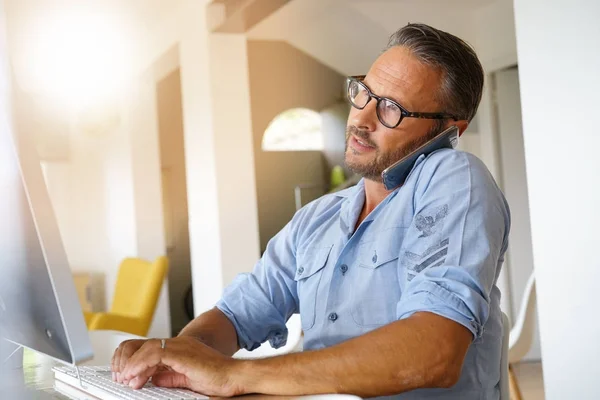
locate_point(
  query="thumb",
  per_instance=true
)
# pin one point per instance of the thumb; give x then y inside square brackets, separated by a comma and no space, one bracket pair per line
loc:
[169,379]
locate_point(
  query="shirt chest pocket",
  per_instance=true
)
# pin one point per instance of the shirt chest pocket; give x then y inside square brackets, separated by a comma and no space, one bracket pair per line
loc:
[377,273]
[309,273]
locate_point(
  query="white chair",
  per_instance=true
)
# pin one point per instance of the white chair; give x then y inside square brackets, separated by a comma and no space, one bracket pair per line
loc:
[294,343]
[504,373]
[522,334]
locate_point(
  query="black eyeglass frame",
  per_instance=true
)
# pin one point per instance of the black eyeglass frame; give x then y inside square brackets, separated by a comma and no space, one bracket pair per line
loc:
[404,113]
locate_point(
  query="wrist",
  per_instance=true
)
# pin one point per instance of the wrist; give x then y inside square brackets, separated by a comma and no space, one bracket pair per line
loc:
[243,376]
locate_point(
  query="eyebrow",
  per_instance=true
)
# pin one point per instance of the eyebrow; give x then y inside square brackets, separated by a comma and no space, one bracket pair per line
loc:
[362,79]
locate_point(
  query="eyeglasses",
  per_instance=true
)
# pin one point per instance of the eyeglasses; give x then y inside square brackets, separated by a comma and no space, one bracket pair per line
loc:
[389,112]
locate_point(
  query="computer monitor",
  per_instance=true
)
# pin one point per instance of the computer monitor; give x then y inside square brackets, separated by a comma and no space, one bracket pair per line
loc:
[39,307]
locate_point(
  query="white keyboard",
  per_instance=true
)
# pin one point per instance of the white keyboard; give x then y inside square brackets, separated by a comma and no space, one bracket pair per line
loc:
[97,381]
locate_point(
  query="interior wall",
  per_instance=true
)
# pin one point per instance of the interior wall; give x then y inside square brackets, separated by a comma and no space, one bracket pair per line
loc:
[281,78]
[334,119]
[92,198]
[494,34]
[93,193]
[558,70]
[223,224]
[493,37]
[519,258]
[470,142]
[142,126]
[174,194]
[234,154]
[48,122]
[96,196]
[93,172]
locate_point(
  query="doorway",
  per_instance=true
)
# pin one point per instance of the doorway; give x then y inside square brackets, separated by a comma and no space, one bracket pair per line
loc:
[513,182]
[174,193]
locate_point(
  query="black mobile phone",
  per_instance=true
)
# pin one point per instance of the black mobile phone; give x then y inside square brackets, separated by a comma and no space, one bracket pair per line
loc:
[396,174]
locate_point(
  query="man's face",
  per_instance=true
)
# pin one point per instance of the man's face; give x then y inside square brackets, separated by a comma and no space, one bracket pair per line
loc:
[370,146]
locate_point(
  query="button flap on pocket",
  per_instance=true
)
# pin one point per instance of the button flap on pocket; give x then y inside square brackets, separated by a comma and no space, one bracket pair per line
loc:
[311,261]
[378,254]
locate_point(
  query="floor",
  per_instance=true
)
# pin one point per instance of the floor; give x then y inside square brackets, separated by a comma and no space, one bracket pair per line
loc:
[530,380]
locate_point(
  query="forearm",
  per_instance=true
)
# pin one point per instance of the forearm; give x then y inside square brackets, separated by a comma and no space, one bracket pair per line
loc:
[215,330]
[402,356]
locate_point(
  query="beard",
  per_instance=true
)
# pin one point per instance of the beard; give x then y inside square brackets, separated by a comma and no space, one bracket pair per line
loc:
[372,169]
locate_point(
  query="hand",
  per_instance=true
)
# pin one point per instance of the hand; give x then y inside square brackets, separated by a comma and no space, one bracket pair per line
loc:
[186,362]
[122,354]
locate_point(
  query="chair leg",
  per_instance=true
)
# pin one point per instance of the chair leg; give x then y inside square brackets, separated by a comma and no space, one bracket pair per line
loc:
[515,392]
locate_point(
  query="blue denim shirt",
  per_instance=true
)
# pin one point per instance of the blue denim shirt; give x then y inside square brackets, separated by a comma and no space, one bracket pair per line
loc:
[436,244]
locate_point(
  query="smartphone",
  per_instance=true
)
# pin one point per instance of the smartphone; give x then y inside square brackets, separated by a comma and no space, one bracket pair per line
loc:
[396,174]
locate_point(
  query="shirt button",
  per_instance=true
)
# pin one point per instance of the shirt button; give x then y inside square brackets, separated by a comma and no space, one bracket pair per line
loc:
[333,317]
[344,268]
[300,271]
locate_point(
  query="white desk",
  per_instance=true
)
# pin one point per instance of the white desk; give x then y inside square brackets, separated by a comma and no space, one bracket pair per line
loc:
[35,379]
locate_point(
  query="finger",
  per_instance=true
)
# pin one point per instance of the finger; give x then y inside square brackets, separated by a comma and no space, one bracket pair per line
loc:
[117,354]
[139,381]
[114,362]
[147,357]
[170,379]
[146,361]
[128,350]
[114,365]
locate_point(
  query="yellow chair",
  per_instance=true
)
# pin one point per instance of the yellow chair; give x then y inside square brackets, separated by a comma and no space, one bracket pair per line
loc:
[138,286]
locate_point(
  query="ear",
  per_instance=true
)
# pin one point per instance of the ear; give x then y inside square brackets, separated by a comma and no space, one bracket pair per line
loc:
[462,126]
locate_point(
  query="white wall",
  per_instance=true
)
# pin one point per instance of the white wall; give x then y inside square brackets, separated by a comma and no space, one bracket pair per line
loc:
[519,258]
[234,154]
[494,34]
[493,38]
[93,198]
[101,188]
[471,142]
[108,195]
[558,66]
[142,128]
[218,148]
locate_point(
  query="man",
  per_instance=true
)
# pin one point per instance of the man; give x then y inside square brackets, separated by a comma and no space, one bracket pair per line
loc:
[396,289]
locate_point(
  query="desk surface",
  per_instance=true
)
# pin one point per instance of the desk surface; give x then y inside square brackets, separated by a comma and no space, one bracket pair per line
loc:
[33,379]
[28,375]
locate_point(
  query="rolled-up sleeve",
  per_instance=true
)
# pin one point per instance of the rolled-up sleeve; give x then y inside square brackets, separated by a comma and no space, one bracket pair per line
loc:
[260,303]
[454,247]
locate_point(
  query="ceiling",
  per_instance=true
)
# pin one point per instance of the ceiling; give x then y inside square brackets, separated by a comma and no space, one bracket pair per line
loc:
[361,27]
[346,35]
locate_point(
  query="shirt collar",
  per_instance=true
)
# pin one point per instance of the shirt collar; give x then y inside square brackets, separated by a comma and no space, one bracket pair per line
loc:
[355,198]
[351,206]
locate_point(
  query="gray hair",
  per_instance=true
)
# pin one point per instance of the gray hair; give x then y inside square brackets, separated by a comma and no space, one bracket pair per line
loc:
[462,73]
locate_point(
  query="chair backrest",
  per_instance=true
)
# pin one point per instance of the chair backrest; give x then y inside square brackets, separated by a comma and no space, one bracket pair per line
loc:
[521,335]
[138,286]
[504,379]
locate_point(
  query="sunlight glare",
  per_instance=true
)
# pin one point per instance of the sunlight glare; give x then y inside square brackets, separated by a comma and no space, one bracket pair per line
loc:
[80,58]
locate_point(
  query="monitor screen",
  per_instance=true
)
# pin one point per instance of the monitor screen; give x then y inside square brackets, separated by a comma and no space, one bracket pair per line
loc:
[39,307]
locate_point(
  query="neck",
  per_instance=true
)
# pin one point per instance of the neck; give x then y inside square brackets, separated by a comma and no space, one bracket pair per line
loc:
[375,193]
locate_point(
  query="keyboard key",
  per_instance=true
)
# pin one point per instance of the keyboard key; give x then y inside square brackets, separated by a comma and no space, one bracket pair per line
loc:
[100,378]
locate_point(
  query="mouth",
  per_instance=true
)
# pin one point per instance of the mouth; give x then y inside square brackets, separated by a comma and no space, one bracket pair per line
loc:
[360,145]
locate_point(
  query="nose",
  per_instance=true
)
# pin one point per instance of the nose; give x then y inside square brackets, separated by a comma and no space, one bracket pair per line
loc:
[365,119]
